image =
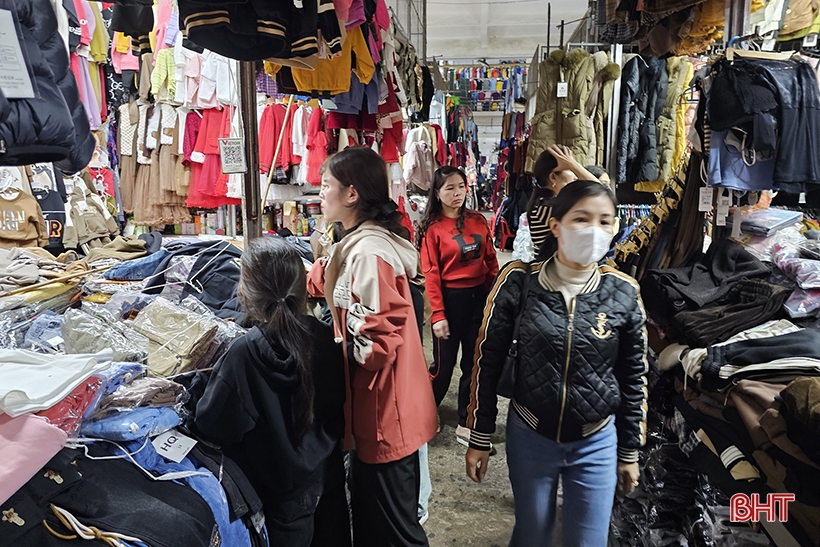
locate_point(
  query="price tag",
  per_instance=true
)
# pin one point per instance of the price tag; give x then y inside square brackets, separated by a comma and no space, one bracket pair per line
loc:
[720,220]
[232,156]
[82,206]
[173,445]
[563,89]
[768,44]
[724,202]
[810,40]
[802,198]
[54,342]
[14,79]
[736,222]
[706,197]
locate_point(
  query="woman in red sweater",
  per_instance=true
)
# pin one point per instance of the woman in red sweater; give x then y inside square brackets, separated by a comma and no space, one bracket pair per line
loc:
[460,265]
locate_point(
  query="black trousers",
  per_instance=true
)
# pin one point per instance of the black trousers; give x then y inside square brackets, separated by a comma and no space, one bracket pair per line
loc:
[464,309]
[385,503]
[331,523]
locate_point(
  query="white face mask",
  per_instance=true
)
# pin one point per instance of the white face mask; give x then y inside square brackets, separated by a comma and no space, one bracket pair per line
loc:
[585,246]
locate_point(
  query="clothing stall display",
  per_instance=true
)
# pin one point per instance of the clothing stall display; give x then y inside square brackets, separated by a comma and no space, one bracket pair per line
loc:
[120,291]
[490,88]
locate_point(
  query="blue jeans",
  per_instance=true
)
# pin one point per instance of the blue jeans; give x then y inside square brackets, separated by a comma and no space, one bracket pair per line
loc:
[589,472]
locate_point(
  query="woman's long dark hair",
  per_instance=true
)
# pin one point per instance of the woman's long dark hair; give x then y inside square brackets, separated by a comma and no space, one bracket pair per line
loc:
[366,171]
[274,293]
[434,208]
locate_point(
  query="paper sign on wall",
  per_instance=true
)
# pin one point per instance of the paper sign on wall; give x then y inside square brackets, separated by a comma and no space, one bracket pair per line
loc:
[14,79]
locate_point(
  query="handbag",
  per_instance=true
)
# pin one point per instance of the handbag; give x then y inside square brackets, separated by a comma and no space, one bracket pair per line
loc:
[506,382]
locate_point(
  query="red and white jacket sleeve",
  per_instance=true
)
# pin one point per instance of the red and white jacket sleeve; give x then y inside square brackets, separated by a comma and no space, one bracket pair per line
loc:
[377,313]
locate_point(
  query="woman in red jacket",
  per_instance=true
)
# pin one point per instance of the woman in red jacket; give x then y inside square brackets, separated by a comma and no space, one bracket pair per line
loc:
[389,411]
[459,264]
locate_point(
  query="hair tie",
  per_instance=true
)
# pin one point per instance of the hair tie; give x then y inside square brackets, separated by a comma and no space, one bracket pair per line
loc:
[387,209]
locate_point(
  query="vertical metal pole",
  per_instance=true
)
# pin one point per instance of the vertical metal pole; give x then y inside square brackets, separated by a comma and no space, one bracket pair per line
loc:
[424,36]
[251,215]
[561,41]
[737,18]
[549,27]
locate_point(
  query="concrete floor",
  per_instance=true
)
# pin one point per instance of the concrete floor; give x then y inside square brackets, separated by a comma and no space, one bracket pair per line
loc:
[461,511]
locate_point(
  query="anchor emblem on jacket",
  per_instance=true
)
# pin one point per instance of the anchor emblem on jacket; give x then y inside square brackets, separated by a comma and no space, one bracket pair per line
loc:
[599,331]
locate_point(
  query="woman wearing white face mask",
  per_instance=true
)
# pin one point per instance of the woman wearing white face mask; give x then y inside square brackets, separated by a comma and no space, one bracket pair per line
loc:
[579,402]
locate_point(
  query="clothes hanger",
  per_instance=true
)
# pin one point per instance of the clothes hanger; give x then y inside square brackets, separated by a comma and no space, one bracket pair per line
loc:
[7,189]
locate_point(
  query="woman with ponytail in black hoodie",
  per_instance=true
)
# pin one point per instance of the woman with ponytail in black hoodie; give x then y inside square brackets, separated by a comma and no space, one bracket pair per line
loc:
[274,403]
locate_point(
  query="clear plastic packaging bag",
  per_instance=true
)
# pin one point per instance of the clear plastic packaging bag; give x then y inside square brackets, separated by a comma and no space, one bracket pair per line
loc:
[805,271]
[69,413]
[86,332]
[132,425]
[153,392]
[127,304]
[45,333]
[227,331]
[803,303]
[177,337]
[523,248]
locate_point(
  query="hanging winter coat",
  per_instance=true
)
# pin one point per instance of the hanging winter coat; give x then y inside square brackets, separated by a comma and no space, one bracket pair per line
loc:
[597,107]
[561,120]
[667,134]
[38,129]
[644,103]
[628,120]
[39,16]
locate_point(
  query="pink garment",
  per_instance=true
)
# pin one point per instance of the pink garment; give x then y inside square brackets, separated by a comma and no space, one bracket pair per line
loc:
[342,8]
[85,35]
[27,443]
[356,16]
[192,125]
[161,25]
[91,20]
[124,61]
[382,20]
[79,66]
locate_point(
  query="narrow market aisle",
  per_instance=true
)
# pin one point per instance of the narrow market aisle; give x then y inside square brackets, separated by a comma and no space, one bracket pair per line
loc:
[462,512]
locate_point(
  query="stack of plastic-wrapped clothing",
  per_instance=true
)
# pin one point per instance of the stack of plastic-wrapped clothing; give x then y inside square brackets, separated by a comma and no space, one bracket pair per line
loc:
[93,419]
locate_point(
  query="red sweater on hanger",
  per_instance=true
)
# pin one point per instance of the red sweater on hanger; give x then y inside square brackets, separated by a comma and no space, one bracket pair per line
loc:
[269,128]
[317,147]
[457,260]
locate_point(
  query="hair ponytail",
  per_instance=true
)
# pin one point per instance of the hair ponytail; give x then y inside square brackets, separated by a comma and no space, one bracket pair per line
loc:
[277,298]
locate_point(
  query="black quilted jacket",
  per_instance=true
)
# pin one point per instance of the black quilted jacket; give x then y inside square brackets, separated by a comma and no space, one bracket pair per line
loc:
[579,363]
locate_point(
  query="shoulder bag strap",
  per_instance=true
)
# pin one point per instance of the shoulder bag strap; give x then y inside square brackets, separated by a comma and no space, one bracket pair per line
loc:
[521,301]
